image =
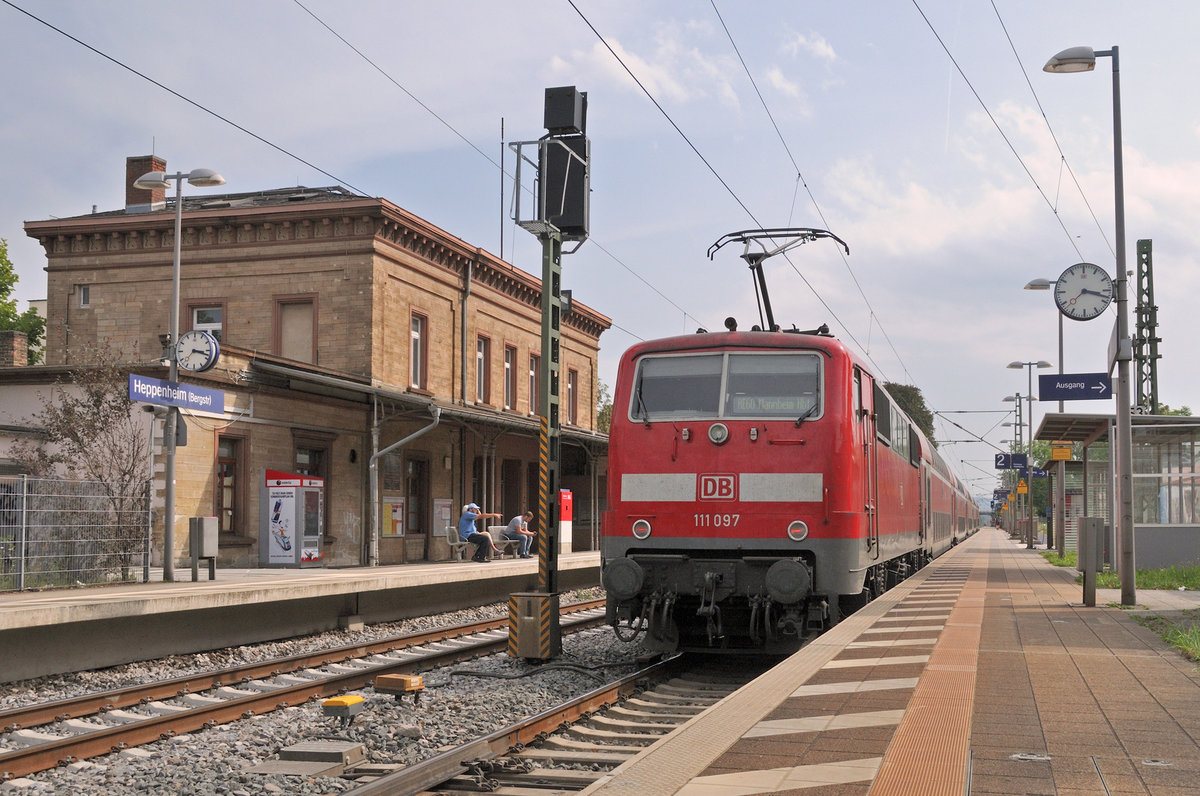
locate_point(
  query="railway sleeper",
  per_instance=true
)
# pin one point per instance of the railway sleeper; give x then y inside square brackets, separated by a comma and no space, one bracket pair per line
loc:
[573,757]
[633,727]
[559,743]
[678,717]
[610,737]
[27,738]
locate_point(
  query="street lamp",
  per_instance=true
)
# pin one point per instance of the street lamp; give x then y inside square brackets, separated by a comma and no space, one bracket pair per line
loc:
[1029,366]
[1083,59]
[1045,284]
[1018,398]
[153,181]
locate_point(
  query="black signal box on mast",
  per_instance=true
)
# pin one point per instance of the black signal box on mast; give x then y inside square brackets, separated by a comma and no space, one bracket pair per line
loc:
[562,214]
[564,163]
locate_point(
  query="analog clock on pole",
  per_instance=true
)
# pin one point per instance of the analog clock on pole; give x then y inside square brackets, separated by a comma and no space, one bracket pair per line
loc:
[1083,291]
[197,351]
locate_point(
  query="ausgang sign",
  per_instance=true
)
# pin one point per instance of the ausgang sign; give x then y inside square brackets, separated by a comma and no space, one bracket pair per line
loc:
[1074,387]
[166,393]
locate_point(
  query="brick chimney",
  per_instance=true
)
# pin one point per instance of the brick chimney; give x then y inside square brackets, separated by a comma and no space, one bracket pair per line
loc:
[137,200]
[14,349]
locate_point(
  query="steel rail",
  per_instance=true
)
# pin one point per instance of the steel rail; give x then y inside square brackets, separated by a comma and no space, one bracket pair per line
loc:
[448,764]
[90,704]
[46,755]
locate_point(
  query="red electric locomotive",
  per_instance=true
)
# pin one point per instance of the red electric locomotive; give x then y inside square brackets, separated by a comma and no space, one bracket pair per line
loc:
[761,484]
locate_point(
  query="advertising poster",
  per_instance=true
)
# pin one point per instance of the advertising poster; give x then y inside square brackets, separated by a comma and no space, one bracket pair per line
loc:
[282,535]
[393,515]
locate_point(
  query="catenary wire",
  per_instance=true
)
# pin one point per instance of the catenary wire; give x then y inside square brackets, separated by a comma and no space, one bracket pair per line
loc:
[999,129]
[339,180]
[717,175]
[1057,145]
[188,100]
[801,181]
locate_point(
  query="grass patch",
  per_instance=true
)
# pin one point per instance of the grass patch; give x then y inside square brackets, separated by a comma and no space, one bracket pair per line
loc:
[1181,630]
[1173,578]
[1068,560]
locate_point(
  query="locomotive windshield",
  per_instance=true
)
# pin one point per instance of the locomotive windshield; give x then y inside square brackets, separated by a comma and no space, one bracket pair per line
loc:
[738,385]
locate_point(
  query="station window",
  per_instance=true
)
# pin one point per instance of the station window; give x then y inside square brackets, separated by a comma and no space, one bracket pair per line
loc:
[535,384]
[483,381]
[296,328]
[207,318]
[418,351]
[573,397]
[230,484]
[311,456]
[510,377]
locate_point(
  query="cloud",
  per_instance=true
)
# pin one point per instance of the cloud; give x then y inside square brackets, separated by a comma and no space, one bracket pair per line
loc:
[776,80]
[814,44]
[674,70]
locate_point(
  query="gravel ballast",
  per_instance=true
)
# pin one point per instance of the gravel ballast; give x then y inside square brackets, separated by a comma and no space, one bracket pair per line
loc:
[459,703]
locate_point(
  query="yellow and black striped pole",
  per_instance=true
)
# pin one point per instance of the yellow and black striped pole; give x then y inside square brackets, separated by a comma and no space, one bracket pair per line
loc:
[531,614]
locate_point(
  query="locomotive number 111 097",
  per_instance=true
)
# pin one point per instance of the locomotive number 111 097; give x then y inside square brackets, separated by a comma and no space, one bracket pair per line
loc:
[716,520]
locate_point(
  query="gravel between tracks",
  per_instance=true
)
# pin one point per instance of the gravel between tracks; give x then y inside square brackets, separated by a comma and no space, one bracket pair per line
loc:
[454,708]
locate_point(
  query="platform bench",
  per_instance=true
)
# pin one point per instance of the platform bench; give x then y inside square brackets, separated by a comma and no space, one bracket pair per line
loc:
[458,548]
[508,547]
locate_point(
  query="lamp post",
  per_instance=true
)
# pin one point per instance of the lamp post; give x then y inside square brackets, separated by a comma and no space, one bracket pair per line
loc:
[151,181]
[1083,59]
[1028,460]
[1029,366]
[1018,427]
[1045,284]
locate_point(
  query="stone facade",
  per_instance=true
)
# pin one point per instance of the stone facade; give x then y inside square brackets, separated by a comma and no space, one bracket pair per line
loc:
[314,292]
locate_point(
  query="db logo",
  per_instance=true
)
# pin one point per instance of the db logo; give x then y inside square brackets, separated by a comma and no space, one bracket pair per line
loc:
[718,487]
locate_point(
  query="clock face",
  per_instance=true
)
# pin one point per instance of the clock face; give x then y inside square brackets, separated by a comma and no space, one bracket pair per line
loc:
[197,351]
[1083,291]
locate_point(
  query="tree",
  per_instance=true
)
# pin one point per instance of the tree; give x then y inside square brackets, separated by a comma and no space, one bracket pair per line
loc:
[29,322]
[604,409]
[91,432]
[912,403]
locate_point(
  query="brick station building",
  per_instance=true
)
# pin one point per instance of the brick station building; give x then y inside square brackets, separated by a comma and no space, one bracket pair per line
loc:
[342,320]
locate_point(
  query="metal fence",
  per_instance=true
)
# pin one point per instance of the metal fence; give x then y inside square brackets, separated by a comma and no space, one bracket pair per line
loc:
[56,533]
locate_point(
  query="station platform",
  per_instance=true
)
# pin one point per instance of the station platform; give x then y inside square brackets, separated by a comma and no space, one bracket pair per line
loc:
[981,674]
[46,632]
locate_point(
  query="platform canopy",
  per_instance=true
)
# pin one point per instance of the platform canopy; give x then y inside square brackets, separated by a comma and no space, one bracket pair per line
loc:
[1060,427]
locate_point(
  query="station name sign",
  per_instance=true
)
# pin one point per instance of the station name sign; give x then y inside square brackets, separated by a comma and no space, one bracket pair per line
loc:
[166,393]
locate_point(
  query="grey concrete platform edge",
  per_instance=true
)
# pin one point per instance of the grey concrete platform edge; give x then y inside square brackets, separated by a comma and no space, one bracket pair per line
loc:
[66,630]
[668,765]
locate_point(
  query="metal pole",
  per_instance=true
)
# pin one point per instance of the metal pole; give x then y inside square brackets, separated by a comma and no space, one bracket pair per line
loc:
[1060,355]
[1124,429]
[1029,462]
[170,426]
[548,469]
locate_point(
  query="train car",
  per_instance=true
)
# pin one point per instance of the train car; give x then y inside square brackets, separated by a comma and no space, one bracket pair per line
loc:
[761,484]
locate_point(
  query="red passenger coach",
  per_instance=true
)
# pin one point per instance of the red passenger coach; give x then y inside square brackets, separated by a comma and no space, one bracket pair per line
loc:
[760,485]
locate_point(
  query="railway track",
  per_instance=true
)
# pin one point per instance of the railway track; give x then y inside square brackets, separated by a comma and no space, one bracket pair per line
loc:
[572,745]
[42,736]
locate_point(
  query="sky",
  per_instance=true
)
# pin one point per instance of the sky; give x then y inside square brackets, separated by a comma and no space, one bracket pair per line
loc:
[924,134]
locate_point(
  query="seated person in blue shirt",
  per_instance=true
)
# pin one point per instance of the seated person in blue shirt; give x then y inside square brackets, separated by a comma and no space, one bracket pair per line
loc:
[518,530]
[467,532]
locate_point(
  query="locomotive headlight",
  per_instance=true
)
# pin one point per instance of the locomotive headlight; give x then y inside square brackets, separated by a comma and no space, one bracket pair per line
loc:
[641,528]
[797,531]
[718,433]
